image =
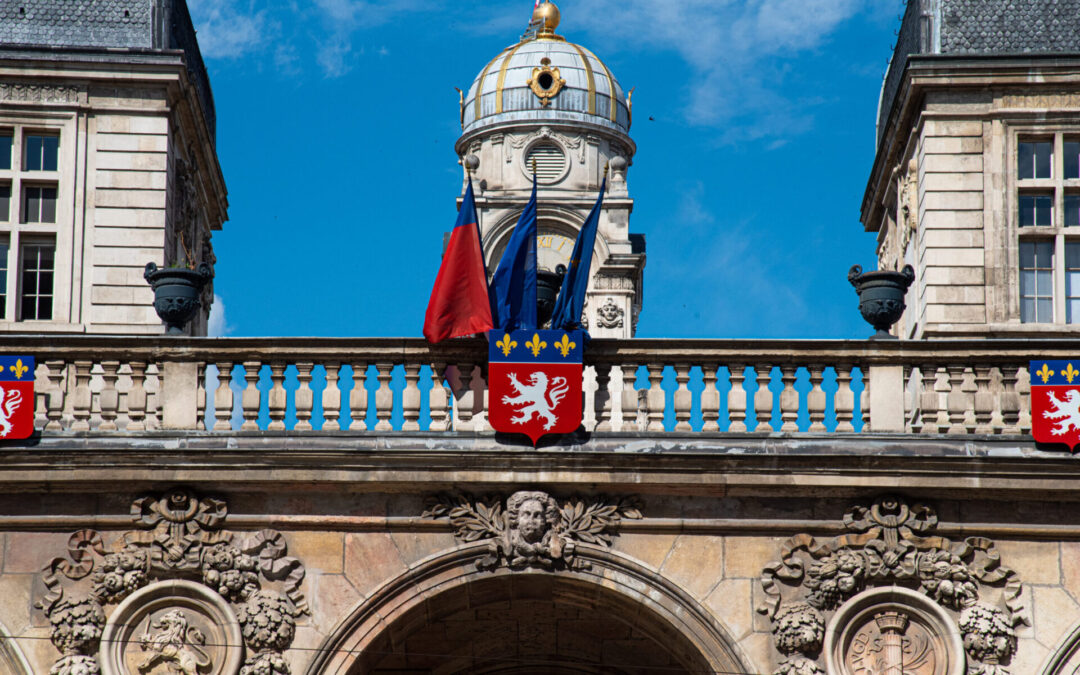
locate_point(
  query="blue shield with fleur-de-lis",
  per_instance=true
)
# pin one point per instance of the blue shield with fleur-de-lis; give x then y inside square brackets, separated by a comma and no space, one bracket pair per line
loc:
[1055,402]
[535,381]
[16,397]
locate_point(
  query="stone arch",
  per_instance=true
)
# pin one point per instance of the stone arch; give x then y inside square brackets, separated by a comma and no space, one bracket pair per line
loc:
[11,657]
[552,218]
[615,586]
[1065,659]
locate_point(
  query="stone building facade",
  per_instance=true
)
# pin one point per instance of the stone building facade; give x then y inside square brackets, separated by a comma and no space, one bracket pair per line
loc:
[107,162]
[737,507]
[975,182]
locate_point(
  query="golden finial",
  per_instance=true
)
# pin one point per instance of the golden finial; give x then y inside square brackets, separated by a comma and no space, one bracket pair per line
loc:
[461,104]
[547,16]
[534,165]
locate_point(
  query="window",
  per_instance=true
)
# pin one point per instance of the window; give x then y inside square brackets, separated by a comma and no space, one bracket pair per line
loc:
[30,211]
[1048,223]
[36,284]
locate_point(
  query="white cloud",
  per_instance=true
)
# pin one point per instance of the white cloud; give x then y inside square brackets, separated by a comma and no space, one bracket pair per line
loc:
[229,29]
[216,325]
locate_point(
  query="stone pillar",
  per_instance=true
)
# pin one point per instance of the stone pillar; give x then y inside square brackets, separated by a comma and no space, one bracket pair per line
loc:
[892,626]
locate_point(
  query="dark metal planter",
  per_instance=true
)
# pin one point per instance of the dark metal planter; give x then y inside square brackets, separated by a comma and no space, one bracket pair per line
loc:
[177,292]
[547,291]
[881,297]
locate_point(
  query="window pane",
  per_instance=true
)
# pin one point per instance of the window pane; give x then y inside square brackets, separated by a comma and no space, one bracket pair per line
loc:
[1072,282]
[3,275]
[37,282]
[50,152]
[33,153]
[1044,283]
[1027,310]
[1044,155]
[6,142]
[30,281]
[48,205]
[1044,210]
[1044,255]
[31,205]
[1044,310]
[1072,310]
[1027,256]
[1072,159]
[1072,256]
[5,203]
[1036,281]
[1072,210]
[1027,211]
[1027,160]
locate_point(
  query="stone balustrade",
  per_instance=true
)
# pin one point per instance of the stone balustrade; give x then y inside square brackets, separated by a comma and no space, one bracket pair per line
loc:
[111,384]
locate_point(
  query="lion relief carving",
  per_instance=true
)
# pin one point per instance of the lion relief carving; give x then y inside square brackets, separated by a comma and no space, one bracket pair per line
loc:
[177,645]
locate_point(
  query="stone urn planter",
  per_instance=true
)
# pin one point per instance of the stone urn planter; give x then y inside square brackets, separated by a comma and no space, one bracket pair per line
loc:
[177,292]
[881,297]
[547,292]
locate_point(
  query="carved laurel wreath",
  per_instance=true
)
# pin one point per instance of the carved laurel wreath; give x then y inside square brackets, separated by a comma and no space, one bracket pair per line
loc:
[177,536]
[575,521]
[890,542]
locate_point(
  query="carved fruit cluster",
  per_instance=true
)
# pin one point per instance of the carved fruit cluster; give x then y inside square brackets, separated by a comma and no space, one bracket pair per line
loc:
[946,579]
[76,625]
[799,665]
[988,634]
[76,664]
[798,628]
[120,575]
[267,621]
[269,663]
[229,571]
[835,579]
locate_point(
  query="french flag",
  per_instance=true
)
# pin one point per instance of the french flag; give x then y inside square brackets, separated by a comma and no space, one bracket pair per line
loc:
[459,302]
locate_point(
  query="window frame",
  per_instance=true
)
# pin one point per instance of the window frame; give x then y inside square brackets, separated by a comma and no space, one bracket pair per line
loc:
[1058,231]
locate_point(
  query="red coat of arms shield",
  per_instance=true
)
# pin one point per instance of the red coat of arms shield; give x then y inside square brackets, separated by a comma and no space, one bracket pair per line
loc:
[16,397]
[1055,402]
[535,382]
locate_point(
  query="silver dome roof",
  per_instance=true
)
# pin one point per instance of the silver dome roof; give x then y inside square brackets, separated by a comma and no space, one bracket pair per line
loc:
[505,90]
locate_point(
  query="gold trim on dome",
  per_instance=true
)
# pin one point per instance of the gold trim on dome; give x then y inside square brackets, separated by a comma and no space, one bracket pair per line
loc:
[611,87]
[556,83]
[480,84]
[502,77]
[591,77]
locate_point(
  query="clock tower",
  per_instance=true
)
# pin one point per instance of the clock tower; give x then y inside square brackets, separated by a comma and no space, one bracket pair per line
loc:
[548,103]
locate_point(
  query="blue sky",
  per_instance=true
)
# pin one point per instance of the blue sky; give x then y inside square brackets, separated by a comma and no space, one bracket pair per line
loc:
[336,128]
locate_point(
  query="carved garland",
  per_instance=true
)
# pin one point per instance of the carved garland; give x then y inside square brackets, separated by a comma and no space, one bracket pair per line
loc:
[533,530]
[891,543]
[178,536]
[516,142]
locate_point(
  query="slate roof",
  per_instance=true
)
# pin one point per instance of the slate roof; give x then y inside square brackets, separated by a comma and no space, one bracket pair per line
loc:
[109,24]
[981,28]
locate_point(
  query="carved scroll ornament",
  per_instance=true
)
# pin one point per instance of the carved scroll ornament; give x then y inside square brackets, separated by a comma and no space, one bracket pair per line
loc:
[892,543]
[533,530]
[177,536]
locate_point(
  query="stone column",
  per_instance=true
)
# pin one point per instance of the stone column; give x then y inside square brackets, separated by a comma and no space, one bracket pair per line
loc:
[892,626]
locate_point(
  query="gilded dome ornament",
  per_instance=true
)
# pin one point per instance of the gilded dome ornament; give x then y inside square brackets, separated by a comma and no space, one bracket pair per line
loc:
[547,17]
[546,82]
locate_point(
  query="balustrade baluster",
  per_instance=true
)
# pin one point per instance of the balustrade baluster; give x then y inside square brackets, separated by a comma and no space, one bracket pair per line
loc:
[928,399]
[844,401]
[223,397]
[864,400]
[136,397]
[109,397]
[683,399]
[250,398]
[602,398]
[655,400]
[463,397]
[41,395]
[410,398]
[438,399]
[629,402]
[710,399]
[384,397]
[480,393]
[956,400]
[304,397]
[200,398]
[737,398]
[83,398]
[153,396]
[277,400]
[816,399]
[763,399]
[1010,401]
[984,401]
[358,397]
[331,398]
[1023,388]
[789,400]
[55,397]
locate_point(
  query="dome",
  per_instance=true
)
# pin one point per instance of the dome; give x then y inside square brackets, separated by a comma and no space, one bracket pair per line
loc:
[546,79]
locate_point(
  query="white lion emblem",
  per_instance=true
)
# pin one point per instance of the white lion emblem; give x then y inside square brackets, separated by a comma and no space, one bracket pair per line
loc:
[1067,412]
[537,398]
[9,403]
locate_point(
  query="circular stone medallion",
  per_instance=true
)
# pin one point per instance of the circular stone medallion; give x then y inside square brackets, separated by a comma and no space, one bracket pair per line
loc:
[893,630]
[172,627]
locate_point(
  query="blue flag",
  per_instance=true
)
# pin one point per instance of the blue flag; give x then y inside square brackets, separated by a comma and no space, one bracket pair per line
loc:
[571,302]
[513,287]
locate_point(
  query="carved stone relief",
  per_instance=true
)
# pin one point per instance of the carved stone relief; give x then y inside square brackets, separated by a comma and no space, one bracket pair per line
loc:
[533,530]
[610,315]
[178,570]
[891,544]
[38,93]
[517,142]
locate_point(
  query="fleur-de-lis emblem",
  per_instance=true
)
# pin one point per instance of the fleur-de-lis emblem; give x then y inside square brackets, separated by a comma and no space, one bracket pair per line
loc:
[565,345]
[19,369]
[506,344]
[1070,373]
[1045,373]
[536,344]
